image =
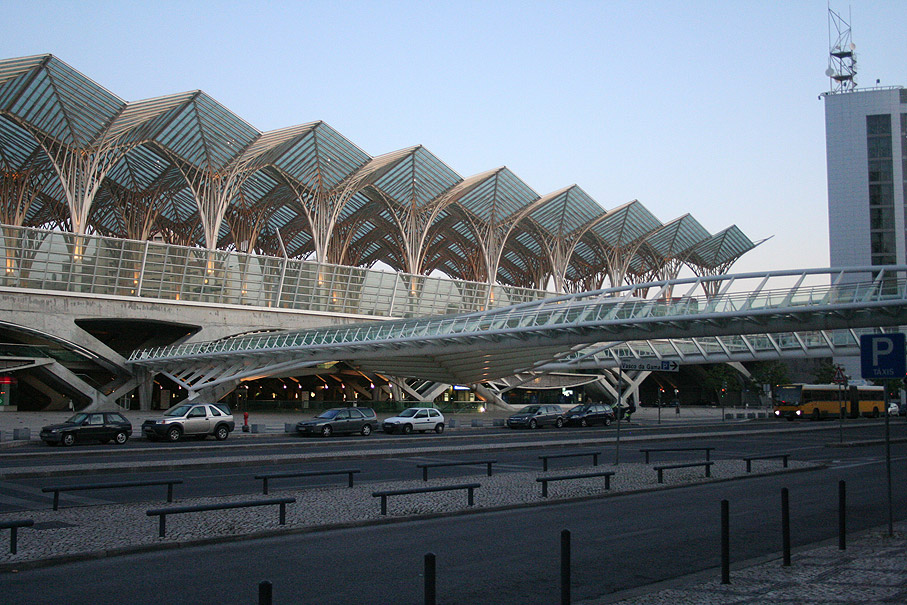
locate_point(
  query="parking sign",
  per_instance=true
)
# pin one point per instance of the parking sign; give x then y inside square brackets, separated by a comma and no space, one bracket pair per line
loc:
[882,356]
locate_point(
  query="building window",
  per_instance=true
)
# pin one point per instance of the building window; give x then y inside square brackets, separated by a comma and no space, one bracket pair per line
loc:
[879,144]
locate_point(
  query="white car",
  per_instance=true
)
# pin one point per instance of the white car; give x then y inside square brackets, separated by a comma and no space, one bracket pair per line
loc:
[415,419]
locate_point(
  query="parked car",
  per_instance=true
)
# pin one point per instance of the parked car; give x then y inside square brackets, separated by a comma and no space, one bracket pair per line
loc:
[587,414]
[93,426]
[534,416]
[338,421]
[195,419]
[415,419]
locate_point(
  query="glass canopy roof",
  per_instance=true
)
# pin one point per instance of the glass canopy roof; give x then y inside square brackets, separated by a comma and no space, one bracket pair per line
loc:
[183,167]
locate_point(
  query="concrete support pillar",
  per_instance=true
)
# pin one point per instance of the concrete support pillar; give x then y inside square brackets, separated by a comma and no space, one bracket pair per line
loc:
[492,398]
[145,389]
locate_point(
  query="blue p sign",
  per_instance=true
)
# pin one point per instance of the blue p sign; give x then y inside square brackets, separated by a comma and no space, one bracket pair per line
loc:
[882,356]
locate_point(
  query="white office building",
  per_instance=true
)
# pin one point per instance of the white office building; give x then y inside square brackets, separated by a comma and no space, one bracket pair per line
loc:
[866,147]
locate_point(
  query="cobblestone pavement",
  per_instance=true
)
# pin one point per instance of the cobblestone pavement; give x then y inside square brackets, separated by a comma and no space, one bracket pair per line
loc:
[872,569]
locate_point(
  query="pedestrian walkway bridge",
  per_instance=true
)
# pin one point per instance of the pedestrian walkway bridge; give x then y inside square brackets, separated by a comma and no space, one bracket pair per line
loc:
[802,307]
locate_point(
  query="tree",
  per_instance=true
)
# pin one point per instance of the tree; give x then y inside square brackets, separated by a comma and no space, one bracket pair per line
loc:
[720,377]
[825,372]
[769,373]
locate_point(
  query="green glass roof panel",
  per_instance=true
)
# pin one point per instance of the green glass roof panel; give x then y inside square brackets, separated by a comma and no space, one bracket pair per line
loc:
[675,237]
[205,134]
[723,247]
[57,100]
[565,211]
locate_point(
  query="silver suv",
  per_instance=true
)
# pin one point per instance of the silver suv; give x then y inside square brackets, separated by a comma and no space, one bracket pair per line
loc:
[198,419]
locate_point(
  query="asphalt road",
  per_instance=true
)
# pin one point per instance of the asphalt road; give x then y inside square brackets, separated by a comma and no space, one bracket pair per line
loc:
[234,464]
[619,543]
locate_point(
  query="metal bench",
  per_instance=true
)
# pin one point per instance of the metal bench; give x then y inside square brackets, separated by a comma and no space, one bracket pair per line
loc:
[197,508]
[545,458]
[13,527]
[664,467]
[429,465]
[707,450]
[544,480]
[284,474]
[86,486]
[749,460]
[423,490]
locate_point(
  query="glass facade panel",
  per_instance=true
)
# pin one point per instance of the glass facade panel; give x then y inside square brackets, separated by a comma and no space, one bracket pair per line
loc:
[881,189]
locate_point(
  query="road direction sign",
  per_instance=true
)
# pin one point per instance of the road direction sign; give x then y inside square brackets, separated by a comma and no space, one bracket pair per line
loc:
[649,366]
[882,356]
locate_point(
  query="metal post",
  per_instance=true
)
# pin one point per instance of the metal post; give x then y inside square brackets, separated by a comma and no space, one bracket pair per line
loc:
[842,523]
[725,543]
[841,413]
[283,513]
[785,525]
[265,593]
[430,583]
[888,464]
[13,539]
[565,567]
[162,526]
[620,391]
[169,492]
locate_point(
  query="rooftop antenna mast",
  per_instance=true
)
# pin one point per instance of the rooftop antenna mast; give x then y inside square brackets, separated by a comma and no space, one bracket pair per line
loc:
[842,60]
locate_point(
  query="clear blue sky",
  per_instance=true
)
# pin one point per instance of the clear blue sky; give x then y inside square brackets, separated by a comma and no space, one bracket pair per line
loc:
[707,107]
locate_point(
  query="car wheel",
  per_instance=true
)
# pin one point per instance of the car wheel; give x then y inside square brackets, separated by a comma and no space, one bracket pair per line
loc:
[559,423]
[439,428]
[174,434]
[816,414]
[366,430]
[68,439]
[326,430]
[120,438]
[407,429]
[607,422]
[875,412]
[583,422]
[221,433]
[533,424]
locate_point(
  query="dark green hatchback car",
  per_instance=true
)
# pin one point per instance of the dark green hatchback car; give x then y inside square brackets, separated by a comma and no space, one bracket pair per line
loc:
[91,426]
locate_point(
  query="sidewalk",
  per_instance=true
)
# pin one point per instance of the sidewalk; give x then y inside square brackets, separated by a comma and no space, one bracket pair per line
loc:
[872,569]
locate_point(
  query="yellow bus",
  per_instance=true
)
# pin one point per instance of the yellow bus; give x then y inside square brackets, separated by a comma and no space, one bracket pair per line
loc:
[817,401]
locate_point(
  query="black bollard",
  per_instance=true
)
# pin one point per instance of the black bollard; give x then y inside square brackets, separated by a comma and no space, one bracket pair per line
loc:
[430,585]
[842,522]
[264,593]
[565,567]
[725,543]
[785,526]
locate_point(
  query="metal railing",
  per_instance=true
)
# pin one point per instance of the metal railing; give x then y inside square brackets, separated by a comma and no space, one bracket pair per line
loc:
[38,259]
[614,305]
